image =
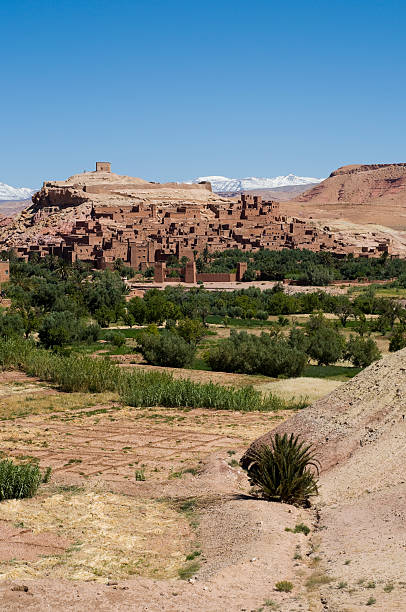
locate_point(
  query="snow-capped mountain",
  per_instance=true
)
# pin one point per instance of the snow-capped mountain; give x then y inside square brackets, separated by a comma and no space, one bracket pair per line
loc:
[222,184]
[15,193]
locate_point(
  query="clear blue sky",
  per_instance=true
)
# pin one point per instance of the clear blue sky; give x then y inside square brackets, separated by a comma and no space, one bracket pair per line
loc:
[177,89]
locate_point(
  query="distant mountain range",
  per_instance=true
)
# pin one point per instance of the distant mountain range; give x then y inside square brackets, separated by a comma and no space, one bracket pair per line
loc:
[8,193]
[232,186]
[220,184]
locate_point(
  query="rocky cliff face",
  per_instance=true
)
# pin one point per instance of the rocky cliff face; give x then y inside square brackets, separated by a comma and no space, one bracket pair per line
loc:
[361,184]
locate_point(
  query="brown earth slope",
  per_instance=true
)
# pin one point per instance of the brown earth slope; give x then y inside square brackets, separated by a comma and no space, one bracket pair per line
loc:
[360,184]
[359,431]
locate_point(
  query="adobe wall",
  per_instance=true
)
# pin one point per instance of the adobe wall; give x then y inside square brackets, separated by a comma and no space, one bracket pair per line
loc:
[4,271]
[214,277]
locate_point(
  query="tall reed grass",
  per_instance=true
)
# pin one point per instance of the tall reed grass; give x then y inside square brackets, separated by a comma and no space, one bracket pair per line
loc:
[18,481]
[136,388]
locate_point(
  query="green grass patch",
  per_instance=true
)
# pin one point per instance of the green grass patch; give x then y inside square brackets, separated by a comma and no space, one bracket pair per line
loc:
[299,528]
[231,322]
[332,372]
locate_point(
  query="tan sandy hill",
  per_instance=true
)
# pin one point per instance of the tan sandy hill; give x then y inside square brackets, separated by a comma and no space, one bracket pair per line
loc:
[359,431]
[361,184]
[357,196]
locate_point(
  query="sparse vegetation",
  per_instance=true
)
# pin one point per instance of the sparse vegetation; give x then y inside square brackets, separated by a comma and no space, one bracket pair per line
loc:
[286,471]
[316,579]
[188,570]
[371,601]
[284,586]
[193,555]
[299,528]
[270,603]
[297,556]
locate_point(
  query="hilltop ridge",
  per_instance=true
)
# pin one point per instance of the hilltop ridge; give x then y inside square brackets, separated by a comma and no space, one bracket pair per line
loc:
[360,184]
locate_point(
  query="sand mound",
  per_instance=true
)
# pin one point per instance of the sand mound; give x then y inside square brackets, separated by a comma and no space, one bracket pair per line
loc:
[359,431]
[365,412]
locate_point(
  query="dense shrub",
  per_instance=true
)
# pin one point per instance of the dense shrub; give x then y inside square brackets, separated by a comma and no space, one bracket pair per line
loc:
[90,333]
[57,329]
[166,349]
[115,337]
[298,339]
[61,328]
[11,325]
[286,471]
[325,343]
[398,340]
[264,354]
[18,481]
[316,275]
[191,330]
[362,351]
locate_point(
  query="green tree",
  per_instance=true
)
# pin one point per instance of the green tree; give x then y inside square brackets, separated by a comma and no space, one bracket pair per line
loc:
[11,325]
[191,330]
[325,343]
[58,329]
[104,316]
[343,309]
[398,339]
[166,349]
[136,307]
[362,352]
[361,326]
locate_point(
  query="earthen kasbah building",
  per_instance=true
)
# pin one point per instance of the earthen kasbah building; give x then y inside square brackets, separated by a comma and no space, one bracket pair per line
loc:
[101,217]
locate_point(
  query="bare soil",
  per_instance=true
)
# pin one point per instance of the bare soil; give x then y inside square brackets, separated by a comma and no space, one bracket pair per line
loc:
[97,537]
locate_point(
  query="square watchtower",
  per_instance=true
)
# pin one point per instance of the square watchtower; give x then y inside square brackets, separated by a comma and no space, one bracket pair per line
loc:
[103,166]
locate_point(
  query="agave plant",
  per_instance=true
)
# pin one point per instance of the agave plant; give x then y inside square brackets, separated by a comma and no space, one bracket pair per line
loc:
[286,471]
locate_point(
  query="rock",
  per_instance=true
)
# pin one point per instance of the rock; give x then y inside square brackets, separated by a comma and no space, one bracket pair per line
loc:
[20,587]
